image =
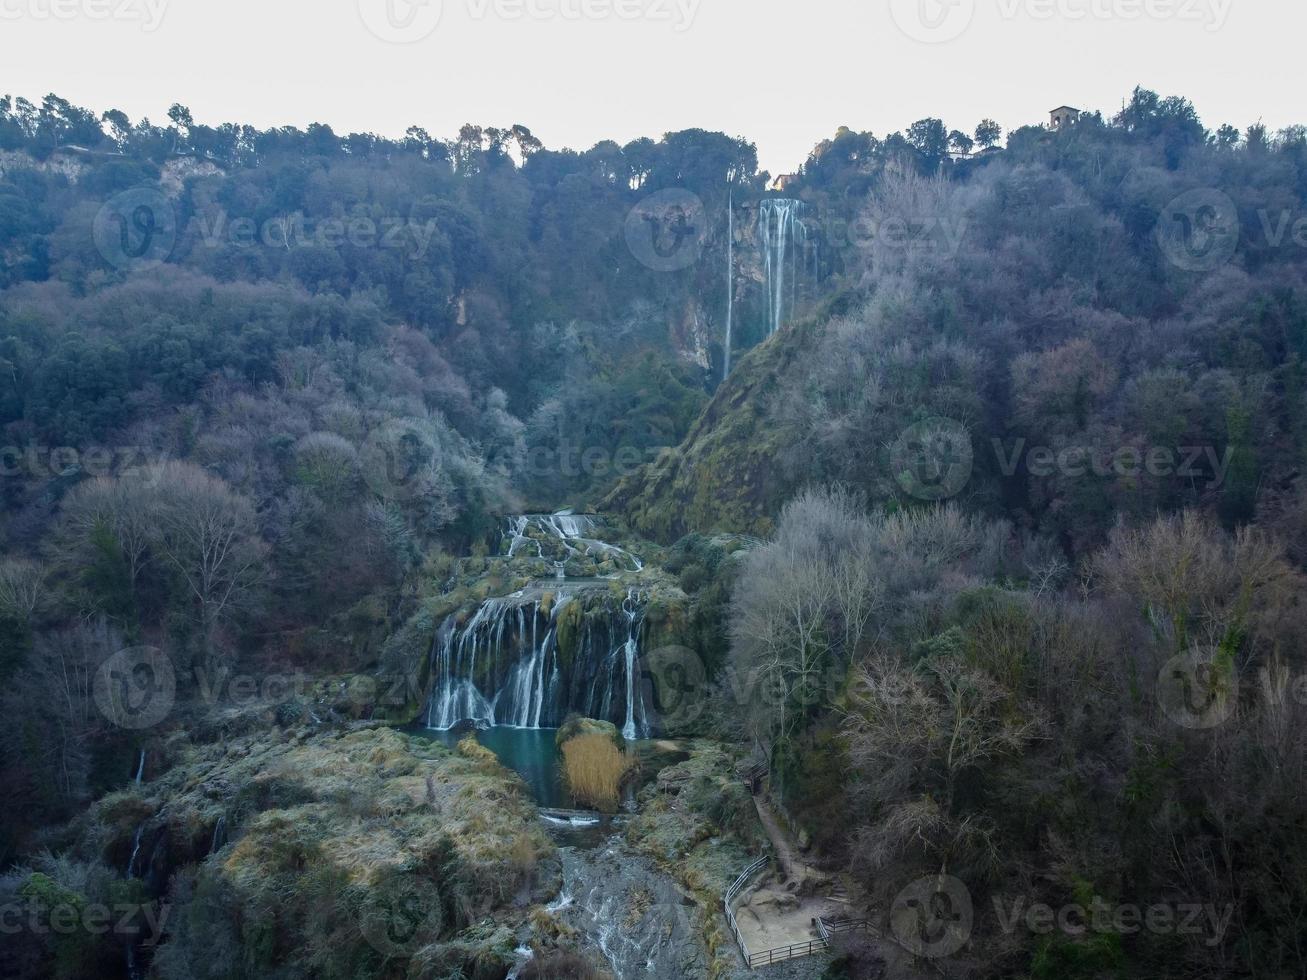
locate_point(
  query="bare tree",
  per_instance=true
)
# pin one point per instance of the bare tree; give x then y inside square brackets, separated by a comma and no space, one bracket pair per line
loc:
[22,588]
[123,508]
[209,535]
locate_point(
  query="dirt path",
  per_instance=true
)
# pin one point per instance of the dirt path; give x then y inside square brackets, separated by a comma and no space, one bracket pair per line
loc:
[796,870]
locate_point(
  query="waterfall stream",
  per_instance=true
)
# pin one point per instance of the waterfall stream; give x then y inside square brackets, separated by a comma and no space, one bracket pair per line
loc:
[781,233]
[504,666]
[564,536]
[730,282]
[561,646]
[628,912]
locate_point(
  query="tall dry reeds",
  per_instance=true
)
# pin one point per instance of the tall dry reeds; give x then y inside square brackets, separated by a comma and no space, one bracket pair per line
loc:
[593,767]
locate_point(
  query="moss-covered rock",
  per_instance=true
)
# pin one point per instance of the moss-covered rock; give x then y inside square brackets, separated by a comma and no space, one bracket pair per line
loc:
[576,726]
[337,855]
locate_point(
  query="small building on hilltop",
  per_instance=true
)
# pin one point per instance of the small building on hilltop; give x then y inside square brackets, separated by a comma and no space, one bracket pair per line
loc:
[1062,117]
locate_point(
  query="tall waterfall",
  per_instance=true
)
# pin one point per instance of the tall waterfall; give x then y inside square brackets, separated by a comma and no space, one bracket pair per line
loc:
[730,281]
[780,235]
[505,666]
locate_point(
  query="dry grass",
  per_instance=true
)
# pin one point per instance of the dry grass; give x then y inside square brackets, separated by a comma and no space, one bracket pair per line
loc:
[594,767]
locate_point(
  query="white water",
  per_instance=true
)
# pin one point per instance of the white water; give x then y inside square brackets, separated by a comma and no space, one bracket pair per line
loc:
[521,682]
[730,281]
[136,849]
[219,834]
[140,768]
[575,534]
[780,233]
[631,607]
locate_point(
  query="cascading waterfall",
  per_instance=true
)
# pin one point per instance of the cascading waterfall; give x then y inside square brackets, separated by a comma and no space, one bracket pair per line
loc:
[779,228]
[568,536]
[504,666]
[633,609]
[140,768]
[219,834]
[136,850]
[730,281]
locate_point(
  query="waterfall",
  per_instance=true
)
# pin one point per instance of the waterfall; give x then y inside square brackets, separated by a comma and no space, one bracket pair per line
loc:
[505,666]
[633,609]
[136,850]
[730,280]
[219,834]
[779,228]
[140,768]
[564,536]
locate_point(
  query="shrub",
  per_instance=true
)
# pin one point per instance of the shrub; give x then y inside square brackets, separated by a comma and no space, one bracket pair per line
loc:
[594,767]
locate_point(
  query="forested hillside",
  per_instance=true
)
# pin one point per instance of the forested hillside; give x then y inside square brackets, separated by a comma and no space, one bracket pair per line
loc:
[947,465]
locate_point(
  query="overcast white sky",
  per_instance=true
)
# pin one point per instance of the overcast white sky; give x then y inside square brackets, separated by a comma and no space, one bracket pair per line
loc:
[783,73]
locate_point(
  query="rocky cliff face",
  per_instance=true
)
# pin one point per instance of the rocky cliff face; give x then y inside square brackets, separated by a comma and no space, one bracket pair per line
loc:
[729,473]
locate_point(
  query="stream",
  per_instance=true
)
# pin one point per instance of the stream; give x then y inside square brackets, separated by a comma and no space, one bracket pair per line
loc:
[626,912]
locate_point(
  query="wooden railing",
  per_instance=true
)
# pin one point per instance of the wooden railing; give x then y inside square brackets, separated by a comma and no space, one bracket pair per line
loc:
[754,775]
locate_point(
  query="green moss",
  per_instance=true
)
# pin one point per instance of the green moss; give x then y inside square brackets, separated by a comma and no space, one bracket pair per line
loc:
[575,726]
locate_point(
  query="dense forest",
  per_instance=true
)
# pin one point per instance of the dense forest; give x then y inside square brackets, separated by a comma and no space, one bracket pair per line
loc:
[1024,454]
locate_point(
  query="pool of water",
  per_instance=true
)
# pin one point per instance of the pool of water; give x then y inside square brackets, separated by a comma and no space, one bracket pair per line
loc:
[531,753]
